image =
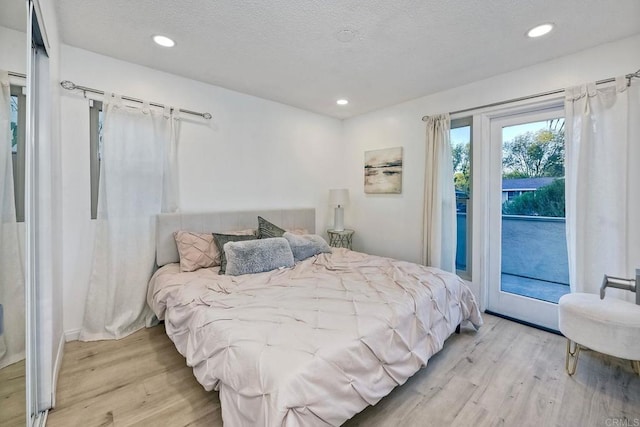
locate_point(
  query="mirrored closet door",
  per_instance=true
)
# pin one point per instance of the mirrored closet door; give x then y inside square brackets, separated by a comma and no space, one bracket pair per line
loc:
[37,217]
[13,69]
[25,100]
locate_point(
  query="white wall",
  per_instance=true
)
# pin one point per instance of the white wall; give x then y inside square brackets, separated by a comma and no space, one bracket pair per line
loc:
[253,154]
[13,50]
[391,225]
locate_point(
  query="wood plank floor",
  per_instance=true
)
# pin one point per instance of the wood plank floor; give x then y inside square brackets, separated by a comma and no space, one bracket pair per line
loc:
[13,395]
[505,374]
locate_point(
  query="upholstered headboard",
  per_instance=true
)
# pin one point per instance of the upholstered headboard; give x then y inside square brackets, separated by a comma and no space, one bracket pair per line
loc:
[219,222]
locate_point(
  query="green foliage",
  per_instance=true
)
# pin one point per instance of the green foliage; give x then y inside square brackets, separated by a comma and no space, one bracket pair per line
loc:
[14,124]
[14,134]
[545,201]
[461,154]
[535,154]
[514,175]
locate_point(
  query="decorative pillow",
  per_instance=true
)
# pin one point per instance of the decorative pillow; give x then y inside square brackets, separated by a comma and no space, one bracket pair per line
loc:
[221,239]
[198,250]
[267,229]
[306,246]
[256,256]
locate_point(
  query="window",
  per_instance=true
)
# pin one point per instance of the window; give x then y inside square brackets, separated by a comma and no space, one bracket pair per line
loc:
[95,141]
[18,119]
[460,137]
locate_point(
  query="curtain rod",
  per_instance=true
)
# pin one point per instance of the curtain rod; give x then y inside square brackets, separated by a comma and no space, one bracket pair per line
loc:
[69,85]
[14,74]
[538,95]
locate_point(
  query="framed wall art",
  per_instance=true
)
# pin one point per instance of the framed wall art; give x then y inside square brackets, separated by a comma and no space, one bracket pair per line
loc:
[383,171]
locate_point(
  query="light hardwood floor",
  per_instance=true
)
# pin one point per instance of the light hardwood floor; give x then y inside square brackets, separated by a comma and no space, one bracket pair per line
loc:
[505,374]
[13,395]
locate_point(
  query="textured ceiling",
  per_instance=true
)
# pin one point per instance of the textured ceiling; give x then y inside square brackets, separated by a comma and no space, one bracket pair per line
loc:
[290,50]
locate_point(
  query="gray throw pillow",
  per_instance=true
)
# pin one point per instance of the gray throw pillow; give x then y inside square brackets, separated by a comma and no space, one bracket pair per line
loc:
[267,229]
[306,245]
[221,240]
[256,256]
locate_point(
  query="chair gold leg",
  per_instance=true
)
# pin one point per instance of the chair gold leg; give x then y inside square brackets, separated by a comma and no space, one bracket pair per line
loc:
[571,361]
[635,365]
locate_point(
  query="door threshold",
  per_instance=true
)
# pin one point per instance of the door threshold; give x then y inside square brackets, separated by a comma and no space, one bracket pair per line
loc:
[523,322]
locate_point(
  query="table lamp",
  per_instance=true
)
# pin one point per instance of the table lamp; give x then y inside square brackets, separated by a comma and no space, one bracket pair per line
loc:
[338,198]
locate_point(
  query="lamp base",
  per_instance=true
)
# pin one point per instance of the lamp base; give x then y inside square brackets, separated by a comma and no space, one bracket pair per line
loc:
[338,222]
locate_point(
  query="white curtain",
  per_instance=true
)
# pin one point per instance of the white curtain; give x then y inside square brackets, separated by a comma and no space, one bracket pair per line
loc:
[137,182]
[439,237]
[603,184]
[12,333]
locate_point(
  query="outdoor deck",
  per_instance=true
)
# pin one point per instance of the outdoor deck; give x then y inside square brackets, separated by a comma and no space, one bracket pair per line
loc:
[533,288]
[534,256]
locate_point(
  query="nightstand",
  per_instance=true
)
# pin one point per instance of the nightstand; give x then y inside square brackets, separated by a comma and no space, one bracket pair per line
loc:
[340,239]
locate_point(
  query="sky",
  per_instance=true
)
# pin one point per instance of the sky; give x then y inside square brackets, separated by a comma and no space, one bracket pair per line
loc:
[461,135]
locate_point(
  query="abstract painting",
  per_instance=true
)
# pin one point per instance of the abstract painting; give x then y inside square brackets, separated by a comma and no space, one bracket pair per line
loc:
[383,171]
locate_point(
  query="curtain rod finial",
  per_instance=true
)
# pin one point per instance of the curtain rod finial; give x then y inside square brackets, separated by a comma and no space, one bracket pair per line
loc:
[68,85]
[207,116]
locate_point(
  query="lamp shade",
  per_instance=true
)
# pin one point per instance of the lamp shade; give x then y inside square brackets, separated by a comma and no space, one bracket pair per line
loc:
[339,197]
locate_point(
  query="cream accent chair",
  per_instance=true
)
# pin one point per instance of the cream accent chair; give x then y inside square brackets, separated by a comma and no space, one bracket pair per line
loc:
[610,326]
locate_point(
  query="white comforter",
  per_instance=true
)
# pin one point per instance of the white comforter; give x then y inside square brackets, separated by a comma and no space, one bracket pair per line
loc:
[311,345]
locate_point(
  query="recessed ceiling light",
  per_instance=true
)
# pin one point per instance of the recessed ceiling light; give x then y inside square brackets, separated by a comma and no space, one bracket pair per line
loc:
[164,41]
[346,35]
[342,102]
[540,30]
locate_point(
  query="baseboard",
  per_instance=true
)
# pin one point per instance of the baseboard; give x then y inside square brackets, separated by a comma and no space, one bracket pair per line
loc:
[56,369]
[72,335]
[13,359]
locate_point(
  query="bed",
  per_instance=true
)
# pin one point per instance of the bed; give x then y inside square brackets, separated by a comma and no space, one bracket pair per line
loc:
[310,345]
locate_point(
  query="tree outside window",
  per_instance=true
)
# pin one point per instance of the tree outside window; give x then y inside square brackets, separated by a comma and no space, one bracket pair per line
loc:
[537,154]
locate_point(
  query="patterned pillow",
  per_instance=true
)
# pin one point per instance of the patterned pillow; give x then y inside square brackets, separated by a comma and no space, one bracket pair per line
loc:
[267,229]
[256,256]
[198,250]
[221,239]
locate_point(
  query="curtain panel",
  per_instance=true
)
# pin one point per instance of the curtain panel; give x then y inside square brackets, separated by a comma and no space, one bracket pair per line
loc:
[439,235]
[137,182]
[12,333]
[603,184]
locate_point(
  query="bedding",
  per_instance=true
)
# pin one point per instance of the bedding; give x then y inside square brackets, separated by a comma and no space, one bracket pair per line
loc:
[221,239]
[298,231]
[313,344]
[198,250]
[257,256]
[307,245]
[267,229]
